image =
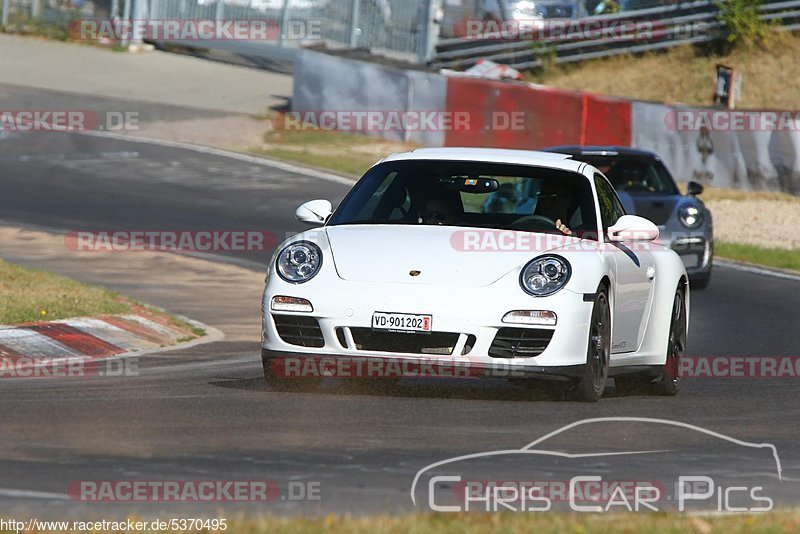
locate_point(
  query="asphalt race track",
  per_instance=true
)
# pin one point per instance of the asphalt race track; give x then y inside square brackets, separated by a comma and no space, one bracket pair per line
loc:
[208,415]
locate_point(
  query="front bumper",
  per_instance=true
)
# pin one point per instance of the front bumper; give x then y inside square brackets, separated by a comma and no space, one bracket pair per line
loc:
[696,250]
[295,365]
[467,325]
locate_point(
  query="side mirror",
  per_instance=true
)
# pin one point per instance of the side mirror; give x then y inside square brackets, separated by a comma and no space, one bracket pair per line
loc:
[632,228]
[694,188]
[314,212]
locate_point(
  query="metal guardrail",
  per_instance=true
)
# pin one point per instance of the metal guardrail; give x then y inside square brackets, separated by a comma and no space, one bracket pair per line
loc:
[672,25]
[399,27]
[418,31]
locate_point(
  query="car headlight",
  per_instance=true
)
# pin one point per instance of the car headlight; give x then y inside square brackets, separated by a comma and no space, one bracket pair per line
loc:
[545,275]
[299,262]
[690,216]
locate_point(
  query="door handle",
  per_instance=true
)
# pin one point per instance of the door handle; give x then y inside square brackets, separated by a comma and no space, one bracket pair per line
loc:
[651,273]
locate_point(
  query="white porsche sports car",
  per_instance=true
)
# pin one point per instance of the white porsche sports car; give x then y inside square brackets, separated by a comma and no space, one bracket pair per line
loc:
[515,260]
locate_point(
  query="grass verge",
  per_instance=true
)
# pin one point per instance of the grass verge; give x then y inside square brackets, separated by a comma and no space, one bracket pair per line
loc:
[28,295]
[719,193]
[556,523]
[769,78]
[341,152]
[768,257]
[31,295]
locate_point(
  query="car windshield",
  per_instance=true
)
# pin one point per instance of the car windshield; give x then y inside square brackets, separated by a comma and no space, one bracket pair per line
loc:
[633,174]
[471,194]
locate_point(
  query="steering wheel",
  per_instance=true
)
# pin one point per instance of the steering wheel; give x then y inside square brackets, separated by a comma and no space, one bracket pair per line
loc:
[539,221]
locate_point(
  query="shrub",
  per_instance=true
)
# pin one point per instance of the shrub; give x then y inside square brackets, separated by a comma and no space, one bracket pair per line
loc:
[742,23]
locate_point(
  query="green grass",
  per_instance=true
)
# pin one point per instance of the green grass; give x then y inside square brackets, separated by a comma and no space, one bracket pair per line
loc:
[28,295]
[344,165]
[345,153]
[548,522]
[769,78]
[768,257]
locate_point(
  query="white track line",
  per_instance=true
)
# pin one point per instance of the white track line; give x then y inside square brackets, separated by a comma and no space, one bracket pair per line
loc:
[257,160]
[754,269]
[29,494]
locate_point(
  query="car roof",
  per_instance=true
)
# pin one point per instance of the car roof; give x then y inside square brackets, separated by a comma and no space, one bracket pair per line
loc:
[551,160]
[599,150]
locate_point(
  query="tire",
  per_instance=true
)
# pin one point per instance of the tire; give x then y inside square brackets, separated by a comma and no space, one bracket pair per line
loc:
[591,385]
[666,381]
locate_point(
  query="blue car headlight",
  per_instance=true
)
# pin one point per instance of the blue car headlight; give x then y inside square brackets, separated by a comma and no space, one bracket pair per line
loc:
[691,216]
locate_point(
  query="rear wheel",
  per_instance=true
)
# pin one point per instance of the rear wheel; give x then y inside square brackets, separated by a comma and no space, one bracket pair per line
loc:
[667,379]
[593,382]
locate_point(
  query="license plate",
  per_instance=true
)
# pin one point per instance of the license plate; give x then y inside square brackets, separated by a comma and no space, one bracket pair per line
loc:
[402,322]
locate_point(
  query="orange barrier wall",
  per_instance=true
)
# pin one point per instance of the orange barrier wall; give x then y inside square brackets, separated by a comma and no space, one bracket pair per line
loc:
[607,121]
[509,115]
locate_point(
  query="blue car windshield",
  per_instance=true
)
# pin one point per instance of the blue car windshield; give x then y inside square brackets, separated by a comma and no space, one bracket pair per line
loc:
[633,174]
[471,194]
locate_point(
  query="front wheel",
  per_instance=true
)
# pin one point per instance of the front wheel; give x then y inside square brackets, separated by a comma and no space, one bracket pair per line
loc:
[593,382]
[666,380]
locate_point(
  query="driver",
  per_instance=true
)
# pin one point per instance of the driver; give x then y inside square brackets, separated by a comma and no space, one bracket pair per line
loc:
[630,177]
[554,202]
[439,212]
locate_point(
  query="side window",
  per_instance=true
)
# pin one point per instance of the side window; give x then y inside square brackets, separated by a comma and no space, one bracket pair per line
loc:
[610,207]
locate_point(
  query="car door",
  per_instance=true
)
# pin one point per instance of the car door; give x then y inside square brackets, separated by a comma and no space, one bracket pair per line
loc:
[634,270]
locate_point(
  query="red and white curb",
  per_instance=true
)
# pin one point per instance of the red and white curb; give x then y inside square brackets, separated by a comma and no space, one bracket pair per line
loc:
[92,338]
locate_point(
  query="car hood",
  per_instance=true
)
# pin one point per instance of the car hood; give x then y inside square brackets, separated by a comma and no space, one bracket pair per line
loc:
[389,253]
[657,208]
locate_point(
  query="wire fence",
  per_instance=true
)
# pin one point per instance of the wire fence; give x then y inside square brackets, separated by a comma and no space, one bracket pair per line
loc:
[52,13]
[440,33]
[637,26]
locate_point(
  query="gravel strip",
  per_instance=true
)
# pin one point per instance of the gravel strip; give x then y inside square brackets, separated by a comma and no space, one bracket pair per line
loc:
[766,223]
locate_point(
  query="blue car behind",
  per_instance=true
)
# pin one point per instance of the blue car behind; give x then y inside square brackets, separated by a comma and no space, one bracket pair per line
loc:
[646,188]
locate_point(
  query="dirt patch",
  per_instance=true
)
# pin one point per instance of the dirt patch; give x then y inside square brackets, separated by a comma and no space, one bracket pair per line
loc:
[765,223]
